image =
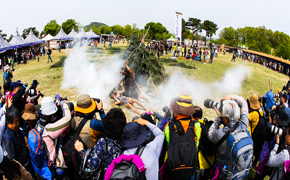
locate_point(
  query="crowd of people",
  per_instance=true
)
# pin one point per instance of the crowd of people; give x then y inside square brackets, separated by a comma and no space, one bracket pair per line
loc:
[24,55]
[192,52]
[57,139]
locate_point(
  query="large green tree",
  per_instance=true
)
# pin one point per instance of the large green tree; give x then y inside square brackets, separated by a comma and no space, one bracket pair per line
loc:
[157,31]
[228,34]
[3,35]
[51,28]
[210,28]
[185,31]
[127,30]
[10,38]
[117,29]
[25,32]
[68,25]
[194,24]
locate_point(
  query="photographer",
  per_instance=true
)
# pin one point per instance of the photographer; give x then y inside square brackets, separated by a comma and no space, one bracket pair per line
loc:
[276,125]
[277,159]
[85,109]
[7,74]
[233,113]
[32,92]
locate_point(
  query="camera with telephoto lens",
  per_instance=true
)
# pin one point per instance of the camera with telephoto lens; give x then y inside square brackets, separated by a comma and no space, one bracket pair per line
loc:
[208,103]
[275,130]
[40,94]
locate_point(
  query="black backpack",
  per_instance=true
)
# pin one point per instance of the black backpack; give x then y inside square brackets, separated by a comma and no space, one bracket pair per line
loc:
[258,132]
[127,170]
[182,151]
[205,145]
[72,158]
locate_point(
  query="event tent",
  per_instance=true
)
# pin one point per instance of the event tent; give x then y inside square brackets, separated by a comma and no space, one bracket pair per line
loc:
[83,34]
[31,38]
[4,45]
[61,35]
[47,37]
[73,34]
[92,34]
[171,39]
[17,41]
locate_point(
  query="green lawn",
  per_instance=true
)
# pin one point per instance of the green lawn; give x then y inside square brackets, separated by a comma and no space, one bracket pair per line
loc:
[257,81]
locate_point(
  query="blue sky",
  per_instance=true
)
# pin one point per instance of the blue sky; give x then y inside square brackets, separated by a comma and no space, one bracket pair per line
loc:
[36,13]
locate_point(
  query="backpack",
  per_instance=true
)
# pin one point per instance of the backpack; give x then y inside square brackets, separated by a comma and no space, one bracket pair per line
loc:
[182,150]
[205,145]
[127,167]
[71,156]
[37,154]
[241,147]
[97,173]
[261,124]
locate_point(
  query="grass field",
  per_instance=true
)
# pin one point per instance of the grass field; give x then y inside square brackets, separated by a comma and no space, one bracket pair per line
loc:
[51,79]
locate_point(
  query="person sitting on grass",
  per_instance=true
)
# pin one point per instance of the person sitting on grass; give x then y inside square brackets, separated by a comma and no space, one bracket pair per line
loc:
[125,101]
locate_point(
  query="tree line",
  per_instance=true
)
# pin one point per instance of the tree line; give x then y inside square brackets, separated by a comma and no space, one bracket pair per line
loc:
[194,26]
[157,31]
[258,39]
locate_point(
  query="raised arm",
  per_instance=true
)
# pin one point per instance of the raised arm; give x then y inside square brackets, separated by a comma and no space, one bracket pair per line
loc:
[126,63]
[123,89]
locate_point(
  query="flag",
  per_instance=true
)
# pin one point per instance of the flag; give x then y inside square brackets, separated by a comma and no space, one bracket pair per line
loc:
[43,35]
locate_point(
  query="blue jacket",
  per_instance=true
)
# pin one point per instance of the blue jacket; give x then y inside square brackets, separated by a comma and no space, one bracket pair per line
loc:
[15,146]
[270,100]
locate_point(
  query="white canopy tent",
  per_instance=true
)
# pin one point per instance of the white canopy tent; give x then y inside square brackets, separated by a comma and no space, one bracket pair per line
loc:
[92,34]
[73,34]
[61,35]
[4,45]
[18,41]
[31,38]
[48,37]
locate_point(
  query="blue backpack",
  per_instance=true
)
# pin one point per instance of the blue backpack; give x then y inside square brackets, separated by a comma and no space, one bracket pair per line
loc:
[241,146]
[37,154]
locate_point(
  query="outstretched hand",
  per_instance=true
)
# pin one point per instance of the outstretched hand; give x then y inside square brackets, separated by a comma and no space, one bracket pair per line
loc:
[228,97]
[121,83]
[141,121]
[99,105]
[218,113]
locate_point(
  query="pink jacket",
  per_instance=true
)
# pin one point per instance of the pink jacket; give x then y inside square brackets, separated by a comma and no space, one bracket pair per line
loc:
[134,158]
[52,131]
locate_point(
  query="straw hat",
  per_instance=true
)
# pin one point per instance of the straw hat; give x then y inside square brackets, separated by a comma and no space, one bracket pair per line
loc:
[182,104]
[30,112]
[254,101]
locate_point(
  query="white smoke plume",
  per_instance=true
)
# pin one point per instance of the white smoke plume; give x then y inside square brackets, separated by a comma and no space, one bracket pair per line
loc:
[94,78]
[178,82]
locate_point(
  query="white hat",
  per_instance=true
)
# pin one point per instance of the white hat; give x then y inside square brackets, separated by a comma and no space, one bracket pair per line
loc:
[231,110]
[6,67]
[1,155]
[48,106]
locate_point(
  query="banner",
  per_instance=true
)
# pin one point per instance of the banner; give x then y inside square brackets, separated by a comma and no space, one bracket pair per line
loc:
[178,26]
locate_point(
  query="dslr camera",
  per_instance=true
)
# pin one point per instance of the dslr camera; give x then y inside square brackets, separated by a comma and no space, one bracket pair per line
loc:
[208,103]
[40,94]
[96,99]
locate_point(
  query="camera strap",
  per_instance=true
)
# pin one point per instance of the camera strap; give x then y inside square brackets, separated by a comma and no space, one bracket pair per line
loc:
[227,134]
